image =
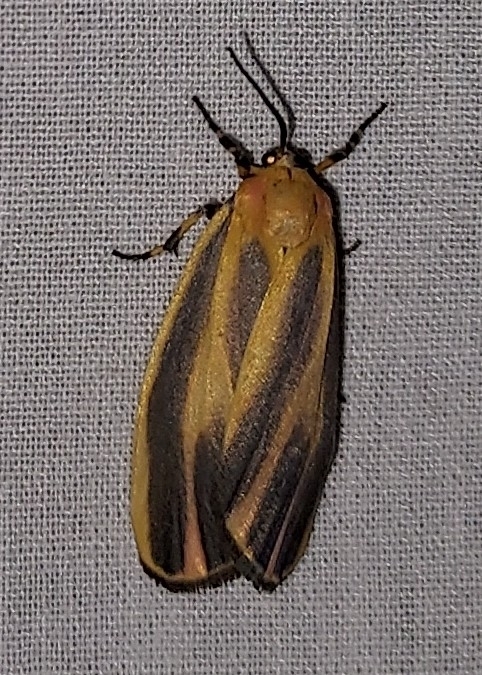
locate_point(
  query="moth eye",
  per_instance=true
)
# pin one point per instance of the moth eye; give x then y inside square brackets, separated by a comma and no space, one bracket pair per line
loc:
[269,158]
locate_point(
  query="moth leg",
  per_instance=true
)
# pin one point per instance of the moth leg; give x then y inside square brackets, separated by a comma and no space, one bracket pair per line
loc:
[346,150]
[353,247]
[172,242]
[242,156]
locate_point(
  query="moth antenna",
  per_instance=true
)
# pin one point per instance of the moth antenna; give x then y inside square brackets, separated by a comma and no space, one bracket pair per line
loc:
[282,124]
[281,97]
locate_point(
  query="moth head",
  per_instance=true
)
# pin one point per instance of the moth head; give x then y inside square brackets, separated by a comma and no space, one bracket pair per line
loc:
[289,156]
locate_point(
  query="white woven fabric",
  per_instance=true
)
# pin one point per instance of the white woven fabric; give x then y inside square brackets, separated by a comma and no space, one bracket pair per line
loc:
[101,147]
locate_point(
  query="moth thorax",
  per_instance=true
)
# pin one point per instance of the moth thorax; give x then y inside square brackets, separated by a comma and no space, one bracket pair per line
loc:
[290,212]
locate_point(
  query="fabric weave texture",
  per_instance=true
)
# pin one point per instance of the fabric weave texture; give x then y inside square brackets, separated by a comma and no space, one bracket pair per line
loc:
[102,148]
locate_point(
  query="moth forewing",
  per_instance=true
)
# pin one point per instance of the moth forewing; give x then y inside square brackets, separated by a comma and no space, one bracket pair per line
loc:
[281,394]
[163,505]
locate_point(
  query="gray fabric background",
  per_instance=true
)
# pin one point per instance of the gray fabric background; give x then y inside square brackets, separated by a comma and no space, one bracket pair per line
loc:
[101,148]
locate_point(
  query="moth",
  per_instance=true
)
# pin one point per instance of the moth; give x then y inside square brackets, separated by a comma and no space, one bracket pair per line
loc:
[237,421]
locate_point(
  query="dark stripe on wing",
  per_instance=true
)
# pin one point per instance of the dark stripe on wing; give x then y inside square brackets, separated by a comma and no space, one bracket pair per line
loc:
[213,493]
[273,511]
[247,295]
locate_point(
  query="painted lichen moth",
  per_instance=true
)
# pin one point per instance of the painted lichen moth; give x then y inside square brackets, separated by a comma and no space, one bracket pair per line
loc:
[237,422]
